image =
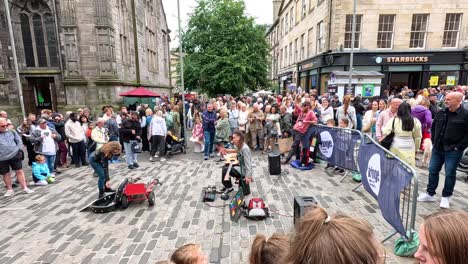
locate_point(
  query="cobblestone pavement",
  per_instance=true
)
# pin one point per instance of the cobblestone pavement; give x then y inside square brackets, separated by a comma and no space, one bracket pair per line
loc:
[47,227]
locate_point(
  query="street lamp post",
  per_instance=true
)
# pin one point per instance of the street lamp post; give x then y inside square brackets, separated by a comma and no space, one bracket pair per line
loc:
[351,55]
[181,61]
[15,59]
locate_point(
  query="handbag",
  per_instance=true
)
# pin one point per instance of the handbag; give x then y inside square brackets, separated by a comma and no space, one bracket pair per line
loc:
[388,140]
[136,147]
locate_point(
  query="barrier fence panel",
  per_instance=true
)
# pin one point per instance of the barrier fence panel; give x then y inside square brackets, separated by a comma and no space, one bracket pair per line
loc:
[337,146]
[393,183]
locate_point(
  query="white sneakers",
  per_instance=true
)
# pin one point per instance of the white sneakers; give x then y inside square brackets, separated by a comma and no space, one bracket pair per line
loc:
[425,197]
[10,193]
[445,202]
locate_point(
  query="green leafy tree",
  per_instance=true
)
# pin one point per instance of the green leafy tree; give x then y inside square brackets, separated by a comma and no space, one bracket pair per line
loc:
[225,51]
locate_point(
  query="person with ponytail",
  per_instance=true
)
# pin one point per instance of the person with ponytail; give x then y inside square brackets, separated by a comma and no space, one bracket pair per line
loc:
[407,134]
[347,111]
[320,238]
[269,251]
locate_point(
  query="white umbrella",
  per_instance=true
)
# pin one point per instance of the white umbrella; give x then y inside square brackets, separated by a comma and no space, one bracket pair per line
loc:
[262,92]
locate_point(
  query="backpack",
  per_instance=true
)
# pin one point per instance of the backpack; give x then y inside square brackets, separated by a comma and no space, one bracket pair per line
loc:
[256,209]
[91,145]
[169,121]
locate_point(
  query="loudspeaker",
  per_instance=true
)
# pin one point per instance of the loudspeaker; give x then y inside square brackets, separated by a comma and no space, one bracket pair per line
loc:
[303,204]
[274,163]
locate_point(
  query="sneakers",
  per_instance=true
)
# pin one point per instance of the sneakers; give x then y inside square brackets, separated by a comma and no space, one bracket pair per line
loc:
[131,167]
[9,193]
[205,158]
[151,159]
[27,190]
[425,197]
[212,155]
[162,159]
[136,165]
[445,202]
[156,156]
[225,190]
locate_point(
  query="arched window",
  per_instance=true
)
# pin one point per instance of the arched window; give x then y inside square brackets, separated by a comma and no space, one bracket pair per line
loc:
[40,44]
[39,35]
[27,40]
[51,39]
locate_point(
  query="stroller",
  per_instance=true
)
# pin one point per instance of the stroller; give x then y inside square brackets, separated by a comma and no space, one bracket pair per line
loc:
[174,145]
[463,165]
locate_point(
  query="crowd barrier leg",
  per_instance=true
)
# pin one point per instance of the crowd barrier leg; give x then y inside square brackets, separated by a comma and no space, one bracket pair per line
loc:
[389,236]
[344,177]
[357,187]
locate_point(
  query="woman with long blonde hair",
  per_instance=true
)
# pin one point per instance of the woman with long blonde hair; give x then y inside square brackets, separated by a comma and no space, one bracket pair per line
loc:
[99,161]
[444,238]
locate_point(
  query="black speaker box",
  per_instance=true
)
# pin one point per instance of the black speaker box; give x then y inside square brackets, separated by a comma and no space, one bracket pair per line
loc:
[303,204]
[274,163]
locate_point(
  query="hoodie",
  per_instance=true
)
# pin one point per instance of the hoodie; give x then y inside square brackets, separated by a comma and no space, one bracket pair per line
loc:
[424,116]
[40,171]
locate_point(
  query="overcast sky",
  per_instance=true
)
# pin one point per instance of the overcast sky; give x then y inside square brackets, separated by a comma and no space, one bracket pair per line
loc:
[261,10]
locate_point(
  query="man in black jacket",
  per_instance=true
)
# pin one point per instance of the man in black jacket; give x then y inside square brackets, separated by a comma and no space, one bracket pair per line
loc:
[450,139]
[131,133]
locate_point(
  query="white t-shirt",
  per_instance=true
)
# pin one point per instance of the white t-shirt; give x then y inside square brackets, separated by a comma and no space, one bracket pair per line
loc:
[48,144]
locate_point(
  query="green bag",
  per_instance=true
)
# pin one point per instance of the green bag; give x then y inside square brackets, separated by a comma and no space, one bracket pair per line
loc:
[357,177]
[403,248]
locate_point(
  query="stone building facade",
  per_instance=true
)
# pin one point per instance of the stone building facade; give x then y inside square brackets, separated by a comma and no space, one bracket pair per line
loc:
[414,43]
[82,53]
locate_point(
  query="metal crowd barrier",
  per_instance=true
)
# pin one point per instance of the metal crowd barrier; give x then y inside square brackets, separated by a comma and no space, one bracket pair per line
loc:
[409,194]
[343,147]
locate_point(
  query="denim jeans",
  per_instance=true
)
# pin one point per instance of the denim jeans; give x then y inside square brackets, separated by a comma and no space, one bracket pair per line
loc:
[209,139]
[451,160]
[97,167]
[50,160]
[130,157]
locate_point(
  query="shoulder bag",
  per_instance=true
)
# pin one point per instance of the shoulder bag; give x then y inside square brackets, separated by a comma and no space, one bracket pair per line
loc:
[388,140]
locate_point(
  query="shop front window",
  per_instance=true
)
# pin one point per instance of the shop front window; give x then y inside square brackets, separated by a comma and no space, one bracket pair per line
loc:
[449,78]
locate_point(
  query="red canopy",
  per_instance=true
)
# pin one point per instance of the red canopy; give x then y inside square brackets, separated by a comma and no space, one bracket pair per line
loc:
[140,92]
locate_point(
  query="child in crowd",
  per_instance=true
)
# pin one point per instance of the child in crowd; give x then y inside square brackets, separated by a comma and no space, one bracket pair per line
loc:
[343,123]
[189,254]
[41,172]
[269,251]
[330,123]
[197,136]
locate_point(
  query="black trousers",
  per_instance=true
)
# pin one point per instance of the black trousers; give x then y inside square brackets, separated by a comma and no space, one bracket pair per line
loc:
[158,144]
[145,139]
[79,153]
[234,173]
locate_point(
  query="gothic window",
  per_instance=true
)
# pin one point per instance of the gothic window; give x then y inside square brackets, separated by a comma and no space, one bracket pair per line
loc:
[151,38]
[51,39]
[27,41]
[40,44]
[123,28]
[39,35]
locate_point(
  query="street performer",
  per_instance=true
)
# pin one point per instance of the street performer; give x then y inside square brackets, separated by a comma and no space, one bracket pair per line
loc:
[302,134]
[245,172]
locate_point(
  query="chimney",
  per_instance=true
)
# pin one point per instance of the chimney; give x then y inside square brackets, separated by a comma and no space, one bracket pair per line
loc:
[276,7]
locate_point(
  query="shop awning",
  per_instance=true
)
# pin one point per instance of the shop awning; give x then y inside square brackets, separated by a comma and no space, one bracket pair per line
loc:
[358,74]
